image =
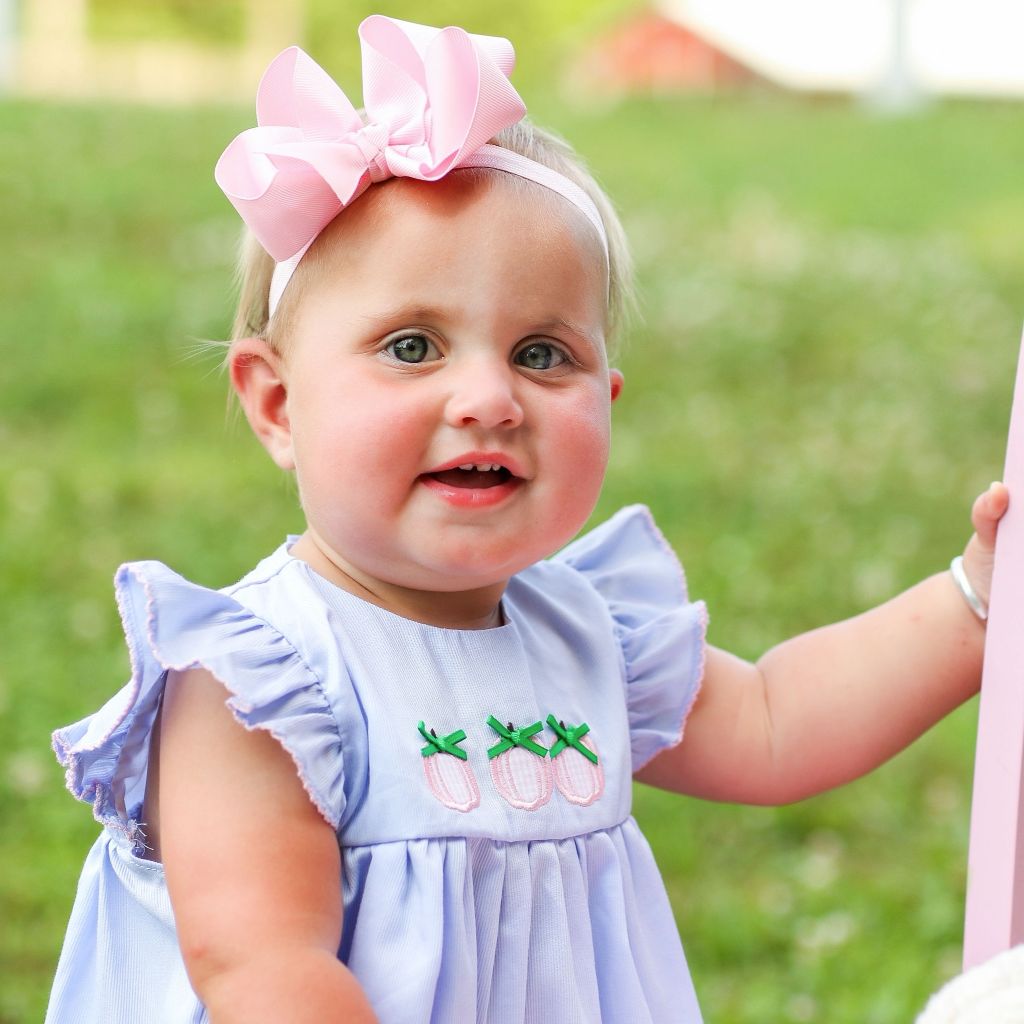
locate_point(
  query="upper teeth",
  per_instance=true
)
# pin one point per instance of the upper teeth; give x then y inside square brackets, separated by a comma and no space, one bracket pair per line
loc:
[481,467]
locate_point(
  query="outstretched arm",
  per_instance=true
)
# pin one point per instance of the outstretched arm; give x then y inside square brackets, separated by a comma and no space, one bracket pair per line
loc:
[253,870]
[830,705]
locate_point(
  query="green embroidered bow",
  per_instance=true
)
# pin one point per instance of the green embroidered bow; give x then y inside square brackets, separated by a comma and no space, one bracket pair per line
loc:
[515,738]
[569,736]
[443,744]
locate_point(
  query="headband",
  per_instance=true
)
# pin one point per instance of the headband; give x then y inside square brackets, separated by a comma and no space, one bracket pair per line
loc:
[433,98]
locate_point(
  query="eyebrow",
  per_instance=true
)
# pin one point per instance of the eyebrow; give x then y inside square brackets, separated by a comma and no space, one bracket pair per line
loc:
[563,324]
[409,313]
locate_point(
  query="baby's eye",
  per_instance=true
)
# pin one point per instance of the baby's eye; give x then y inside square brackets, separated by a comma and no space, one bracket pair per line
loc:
[539,355]
[412,348]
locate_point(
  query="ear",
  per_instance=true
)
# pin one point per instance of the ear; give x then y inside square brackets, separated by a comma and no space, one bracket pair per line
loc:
[257,375]
[616,380]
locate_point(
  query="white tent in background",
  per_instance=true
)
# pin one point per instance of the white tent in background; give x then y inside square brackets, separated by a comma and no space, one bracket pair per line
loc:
[950,47]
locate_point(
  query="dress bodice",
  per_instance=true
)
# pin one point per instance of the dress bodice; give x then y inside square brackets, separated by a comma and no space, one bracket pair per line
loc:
[479,782]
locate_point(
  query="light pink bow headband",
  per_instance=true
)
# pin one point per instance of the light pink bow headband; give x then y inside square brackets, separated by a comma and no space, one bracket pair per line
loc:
[433,98]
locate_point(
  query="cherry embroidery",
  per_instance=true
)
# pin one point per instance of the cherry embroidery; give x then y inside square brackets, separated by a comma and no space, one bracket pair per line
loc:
[519,766]
[446,767]
[575,764]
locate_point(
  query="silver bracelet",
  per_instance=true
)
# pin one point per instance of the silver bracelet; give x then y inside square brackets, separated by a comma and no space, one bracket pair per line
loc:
[956,567]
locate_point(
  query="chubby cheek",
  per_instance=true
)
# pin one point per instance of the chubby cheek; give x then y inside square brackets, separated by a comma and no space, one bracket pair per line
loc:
[581,448]
[353,460]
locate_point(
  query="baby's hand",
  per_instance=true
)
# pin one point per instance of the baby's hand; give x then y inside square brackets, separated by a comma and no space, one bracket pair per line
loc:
[979,555]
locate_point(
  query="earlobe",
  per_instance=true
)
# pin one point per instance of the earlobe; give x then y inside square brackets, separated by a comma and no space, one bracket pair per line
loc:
[616,380]
[257,376]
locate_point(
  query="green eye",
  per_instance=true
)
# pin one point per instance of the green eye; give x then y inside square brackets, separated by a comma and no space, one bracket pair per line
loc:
[413,348]
[539,356]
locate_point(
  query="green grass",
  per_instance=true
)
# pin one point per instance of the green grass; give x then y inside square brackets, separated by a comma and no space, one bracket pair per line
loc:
[819,386]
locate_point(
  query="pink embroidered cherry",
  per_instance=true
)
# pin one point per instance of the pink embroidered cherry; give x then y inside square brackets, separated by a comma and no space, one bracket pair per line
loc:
[575,765]
[447,770]
[519,766]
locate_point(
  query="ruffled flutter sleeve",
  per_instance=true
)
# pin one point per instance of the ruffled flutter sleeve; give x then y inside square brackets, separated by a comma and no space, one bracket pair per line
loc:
[661,632]
[172,624]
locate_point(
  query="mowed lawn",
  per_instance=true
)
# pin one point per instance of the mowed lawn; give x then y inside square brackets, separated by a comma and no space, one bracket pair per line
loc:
[818,387]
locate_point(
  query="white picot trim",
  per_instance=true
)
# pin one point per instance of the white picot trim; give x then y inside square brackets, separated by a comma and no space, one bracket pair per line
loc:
[93,751]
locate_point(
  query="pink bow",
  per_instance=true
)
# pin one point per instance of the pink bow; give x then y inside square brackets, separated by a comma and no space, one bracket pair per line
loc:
[432,97]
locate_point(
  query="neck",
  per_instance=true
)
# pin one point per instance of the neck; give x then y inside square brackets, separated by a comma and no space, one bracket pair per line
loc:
[465,609]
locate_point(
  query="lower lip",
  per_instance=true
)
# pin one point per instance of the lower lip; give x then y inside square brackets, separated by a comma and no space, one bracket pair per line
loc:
[472,497]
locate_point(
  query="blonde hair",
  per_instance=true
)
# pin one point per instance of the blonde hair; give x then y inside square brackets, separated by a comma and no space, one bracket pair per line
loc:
[255,266]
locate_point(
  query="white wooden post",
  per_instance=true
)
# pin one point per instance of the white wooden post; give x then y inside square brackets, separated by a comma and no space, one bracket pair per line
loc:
[55,56]
[995,866]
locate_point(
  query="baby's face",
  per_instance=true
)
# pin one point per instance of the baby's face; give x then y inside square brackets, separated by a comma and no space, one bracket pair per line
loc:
[448,389]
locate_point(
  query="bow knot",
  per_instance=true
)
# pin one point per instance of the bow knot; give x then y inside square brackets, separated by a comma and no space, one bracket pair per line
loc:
[433,97]
[372,140]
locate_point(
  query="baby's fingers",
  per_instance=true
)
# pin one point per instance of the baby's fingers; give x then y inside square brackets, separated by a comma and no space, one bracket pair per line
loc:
[989,507]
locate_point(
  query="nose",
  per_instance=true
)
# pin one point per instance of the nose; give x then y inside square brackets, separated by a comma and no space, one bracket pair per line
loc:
[483,393]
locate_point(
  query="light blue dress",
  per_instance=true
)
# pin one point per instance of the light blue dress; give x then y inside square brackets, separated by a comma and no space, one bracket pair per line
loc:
[492,870]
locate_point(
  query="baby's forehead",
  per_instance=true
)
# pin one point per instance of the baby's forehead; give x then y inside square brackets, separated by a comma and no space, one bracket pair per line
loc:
[480,203]
[483,249]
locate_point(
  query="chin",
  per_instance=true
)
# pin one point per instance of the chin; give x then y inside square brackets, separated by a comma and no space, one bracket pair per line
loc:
[473,569]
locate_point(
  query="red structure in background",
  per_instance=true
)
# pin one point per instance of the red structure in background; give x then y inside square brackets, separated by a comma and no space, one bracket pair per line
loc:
[652,54]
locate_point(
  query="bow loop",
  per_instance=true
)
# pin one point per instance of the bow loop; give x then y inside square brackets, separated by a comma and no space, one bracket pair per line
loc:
[393,77]
[433,97]
[470,96]
[297,92]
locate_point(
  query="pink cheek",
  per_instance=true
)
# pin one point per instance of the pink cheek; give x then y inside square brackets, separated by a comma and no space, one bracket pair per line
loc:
[587,435]
[582,457]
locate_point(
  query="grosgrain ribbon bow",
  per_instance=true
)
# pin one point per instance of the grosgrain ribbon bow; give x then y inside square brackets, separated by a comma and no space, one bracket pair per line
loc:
[511,737]
[432,98]
[442,744]
[570,736]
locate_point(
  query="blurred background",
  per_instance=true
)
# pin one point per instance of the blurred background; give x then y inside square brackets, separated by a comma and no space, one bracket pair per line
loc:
[826,206]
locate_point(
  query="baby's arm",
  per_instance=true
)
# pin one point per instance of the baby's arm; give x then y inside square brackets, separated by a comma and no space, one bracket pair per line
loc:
[253,870]
[829,705]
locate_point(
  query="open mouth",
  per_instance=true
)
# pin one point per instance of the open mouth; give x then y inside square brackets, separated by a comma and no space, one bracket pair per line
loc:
[476,480]
[473,476]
